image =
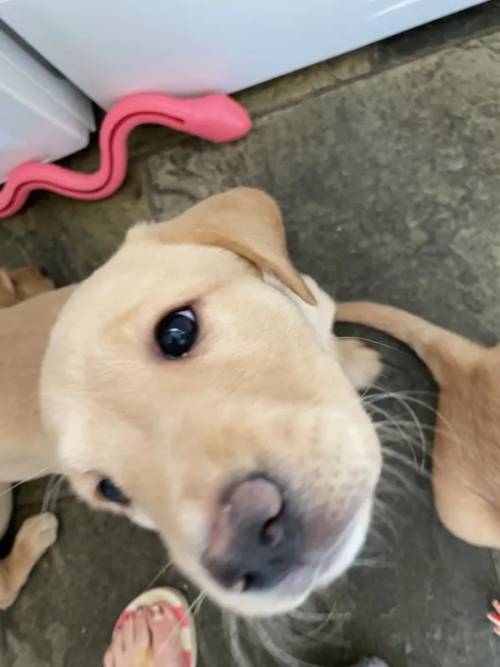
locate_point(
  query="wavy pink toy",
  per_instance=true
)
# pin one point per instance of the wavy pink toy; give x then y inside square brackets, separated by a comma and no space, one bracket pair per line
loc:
[217,118]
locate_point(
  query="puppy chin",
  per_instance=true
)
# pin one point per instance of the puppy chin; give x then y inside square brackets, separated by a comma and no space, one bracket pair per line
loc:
[349,547]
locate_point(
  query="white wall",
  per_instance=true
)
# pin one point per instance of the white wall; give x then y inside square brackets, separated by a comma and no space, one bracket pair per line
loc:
[110,48]
[42,117]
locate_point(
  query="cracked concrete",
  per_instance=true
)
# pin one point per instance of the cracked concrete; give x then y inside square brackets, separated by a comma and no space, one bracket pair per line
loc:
[386,164]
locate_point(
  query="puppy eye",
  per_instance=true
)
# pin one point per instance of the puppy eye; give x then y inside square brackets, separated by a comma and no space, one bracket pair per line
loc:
[176,333]
[108,490]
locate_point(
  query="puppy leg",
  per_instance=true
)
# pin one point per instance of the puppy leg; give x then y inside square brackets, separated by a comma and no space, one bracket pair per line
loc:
[463,511]
[360,363]
[29,281]
[36,535]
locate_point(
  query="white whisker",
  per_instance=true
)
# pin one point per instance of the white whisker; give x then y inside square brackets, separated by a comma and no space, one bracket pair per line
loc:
[162,571]
[36,475]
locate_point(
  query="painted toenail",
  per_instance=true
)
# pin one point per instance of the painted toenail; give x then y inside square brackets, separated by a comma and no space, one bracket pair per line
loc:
[158,613]
[140,610]
[121,620]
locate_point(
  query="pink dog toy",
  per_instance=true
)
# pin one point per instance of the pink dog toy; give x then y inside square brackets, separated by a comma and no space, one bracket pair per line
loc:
[217,118]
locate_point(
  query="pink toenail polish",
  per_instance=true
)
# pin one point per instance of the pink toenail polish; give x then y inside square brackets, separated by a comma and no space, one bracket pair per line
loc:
[158,613]
[121,621]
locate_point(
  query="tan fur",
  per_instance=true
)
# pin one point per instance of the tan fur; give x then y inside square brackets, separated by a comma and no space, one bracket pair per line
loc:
[20,284]
[466,469]
[265,388]
[257,235]
[38,532]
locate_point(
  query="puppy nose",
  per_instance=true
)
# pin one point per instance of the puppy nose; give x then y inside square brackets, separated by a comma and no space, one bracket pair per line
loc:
[255,540]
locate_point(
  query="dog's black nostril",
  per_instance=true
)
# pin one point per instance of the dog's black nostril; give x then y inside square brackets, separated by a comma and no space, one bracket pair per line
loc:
[43,271]
[248,582]
[256,539]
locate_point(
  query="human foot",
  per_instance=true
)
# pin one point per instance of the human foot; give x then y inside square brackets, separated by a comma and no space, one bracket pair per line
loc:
[494,617]
[158,635]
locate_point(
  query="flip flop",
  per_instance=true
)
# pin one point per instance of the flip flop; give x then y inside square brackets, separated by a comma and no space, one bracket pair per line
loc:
[180,608]
[494,617]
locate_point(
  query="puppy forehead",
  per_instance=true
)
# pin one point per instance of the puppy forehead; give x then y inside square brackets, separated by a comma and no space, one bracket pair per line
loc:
[183,260]
[138,272]
[121,303]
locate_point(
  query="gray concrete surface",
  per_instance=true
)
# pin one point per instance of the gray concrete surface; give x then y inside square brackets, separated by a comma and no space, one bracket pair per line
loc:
[387,166]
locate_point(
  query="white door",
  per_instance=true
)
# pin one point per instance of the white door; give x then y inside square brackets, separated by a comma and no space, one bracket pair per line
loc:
[110,48]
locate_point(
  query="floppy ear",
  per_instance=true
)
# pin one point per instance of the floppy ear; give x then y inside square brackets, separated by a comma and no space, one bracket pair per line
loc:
[246,221]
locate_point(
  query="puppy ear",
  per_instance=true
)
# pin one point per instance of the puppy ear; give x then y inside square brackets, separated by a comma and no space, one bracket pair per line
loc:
[246,221]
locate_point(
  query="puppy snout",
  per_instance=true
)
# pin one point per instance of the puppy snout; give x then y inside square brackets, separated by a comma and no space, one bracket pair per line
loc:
[255,539]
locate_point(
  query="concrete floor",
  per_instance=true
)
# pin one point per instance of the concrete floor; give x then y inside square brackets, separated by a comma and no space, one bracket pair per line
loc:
[387,165]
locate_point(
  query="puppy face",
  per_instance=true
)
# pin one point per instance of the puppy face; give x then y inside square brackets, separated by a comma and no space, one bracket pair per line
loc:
[187,388]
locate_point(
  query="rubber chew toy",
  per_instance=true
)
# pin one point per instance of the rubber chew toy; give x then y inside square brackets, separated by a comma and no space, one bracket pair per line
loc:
[216,118]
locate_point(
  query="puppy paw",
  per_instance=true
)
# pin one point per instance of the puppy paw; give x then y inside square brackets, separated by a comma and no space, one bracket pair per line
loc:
[37,534]
[360,363]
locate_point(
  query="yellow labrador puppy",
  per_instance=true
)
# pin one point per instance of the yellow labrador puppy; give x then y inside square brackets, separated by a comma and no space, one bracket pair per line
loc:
[193,384]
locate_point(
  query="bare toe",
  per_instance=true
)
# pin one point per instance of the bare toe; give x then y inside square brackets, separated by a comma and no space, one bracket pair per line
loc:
[108,658]
[166,639]
[130,642]
[141,631]
[118,648]
[128,634]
